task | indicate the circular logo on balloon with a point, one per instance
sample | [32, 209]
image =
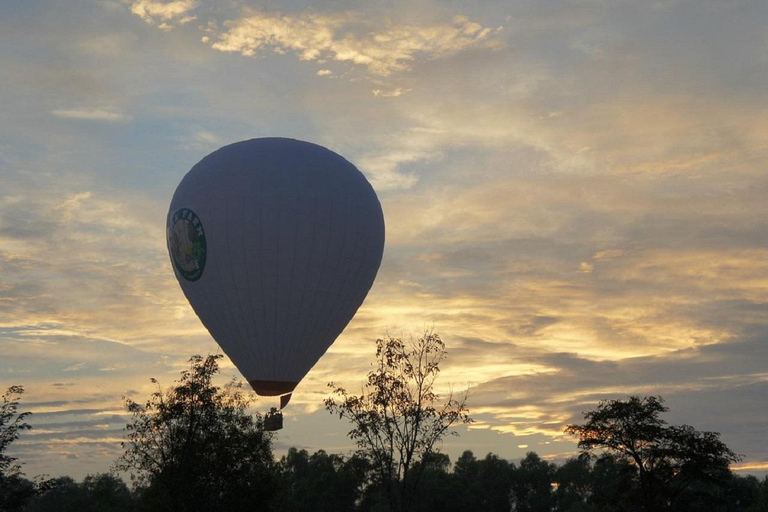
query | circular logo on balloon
[186, 240]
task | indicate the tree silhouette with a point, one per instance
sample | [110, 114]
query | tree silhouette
[668, 458]
[195, 447]
[96, 493]
[574, 488]
[321, 482]
[12, 424]
[14, 490]
[532, 484]
[399, 418]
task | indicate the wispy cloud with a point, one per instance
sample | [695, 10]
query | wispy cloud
[70, 205]
[391, 93]
[54, 252]
[164, 13]
[347, 38]
[75, 367]
[381, 47]
[91, 114]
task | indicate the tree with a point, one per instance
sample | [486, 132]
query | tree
[532, 484]
[14, 490]
[61, 494]
[466, 478]
[399, 418]
[761, 499]
[12, 424]
[96, 493]
[195, 447]
[668, 459]
[436, 491]
[107, 493]
[321, 482]
[495, 477]
[574, 485]
[15, 493]
[614, 487]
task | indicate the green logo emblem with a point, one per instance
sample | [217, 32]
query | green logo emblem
[186, 241]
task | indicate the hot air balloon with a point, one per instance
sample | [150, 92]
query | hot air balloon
[275, 243]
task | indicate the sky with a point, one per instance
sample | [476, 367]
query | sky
[574, 197]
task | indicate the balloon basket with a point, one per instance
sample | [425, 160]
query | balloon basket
[273, 420]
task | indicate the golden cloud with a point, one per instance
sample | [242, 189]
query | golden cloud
[166, 13]
[338, 37]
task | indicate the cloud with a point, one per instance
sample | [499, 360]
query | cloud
[92, 435]
[200, 140]
[72, 258]
[75, 367]
[691, 380]
[90, 114]
[355, 38]
[392, 93]
[751, 466]
[383, 170]
[348, 38]
[165, 14]
[68, 208]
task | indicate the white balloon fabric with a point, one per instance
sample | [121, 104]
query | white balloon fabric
[275, 242]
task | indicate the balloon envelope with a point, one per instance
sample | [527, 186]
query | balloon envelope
[275, 242]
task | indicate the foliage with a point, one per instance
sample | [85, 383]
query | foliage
[486, 483]
[613, 486]
[760, 497]
[668, 459]
[435, 483]
[195, 446]
[574, 489]
[14, 491]
[532, 485]
[321, 482]
[12, 424]
[96, 493]
[399, 418]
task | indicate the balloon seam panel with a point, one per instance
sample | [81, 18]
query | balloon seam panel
[294, 328]
[334, 305]
[255, 363]
[313, 320]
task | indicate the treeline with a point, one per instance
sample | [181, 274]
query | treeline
[197, 447]
[323, 482]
